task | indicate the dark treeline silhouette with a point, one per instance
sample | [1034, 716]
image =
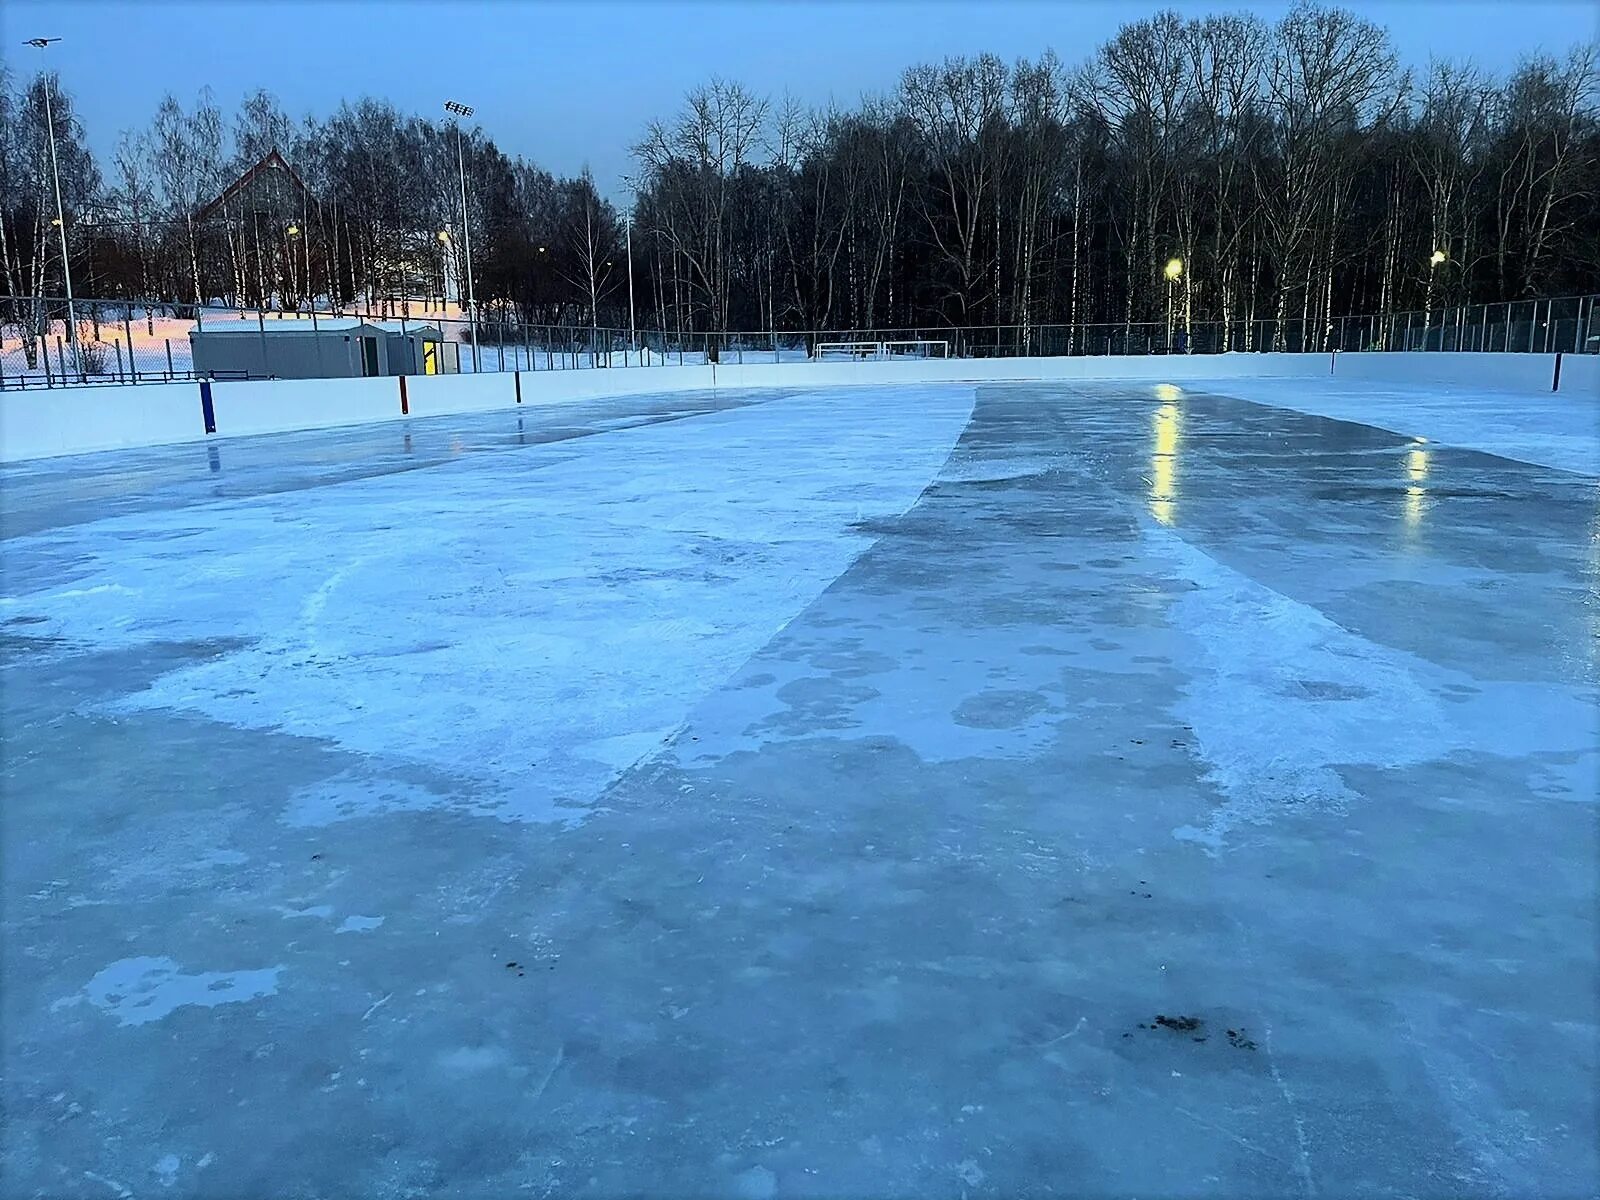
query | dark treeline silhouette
[1293, 168]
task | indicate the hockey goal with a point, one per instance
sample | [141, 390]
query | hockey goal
[877, 350]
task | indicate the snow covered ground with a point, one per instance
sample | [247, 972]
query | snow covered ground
[160, 349]
[935, 791]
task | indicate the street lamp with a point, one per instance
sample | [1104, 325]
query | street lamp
[633, 329]
[1437, 257]
[41, 43]
[458, 111]
[1173, 271]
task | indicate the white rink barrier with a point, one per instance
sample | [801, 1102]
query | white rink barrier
[42, 424]
[1484, 372]
[78, 420]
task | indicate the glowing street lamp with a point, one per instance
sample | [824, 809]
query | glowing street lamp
[1437, 257]
[1172, 271]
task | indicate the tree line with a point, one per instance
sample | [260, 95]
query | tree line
[1217, 168]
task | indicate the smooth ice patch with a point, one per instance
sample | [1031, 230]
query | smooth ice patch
[140, 990]
[358, 924]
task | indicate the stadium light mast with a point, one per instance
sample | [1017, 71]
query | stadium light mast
[41, 43]
[633, 328]
[458, 111]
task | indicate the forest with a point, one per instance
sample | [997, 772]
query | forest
[1216, 168]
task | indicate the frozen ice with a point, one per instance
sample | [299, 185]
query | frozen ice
[925, 791]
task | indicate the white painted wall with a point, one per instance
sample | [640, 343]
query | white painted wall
[37, 424]
[1480, 371]
[278, 405]
[1580, 375]
[978, 370]
[46, 422]
[438, 395]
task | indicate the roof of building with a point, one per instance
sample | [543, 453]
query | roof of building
[270, 161]
[321, 325]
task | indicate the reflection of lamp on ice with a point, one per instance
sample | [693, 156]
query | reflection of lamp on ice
[1163, 481]
[1416, 494]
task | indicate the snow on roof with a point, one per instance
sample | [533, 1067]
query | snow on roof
[321, 325]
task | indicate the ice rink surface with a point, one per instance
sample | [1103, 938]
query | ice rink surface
[930, 791]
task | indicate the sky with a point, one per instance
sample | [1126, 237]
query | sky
[568, 85]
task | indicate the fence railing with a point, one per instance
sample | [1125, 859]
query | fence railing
[123, 342]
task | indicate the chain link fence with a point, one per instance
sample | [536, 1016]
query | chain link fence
[123, 342]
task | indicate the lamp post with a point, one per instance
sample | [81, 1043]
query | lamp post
[41, 43]
[633, 328]
[458, 111]
[1173, 271]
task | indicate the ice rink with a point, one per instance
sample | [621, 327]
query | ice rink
[926, 791]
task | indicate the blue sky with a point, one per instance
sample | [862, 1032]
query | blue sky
[567, 84]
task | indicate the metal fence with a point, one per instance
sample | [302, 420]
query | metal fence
[123, 342]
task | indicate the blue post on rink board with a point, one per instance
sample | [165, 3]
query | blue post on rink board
[207, 412]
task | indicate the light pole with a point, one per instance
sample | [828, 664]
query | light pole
[458, 111]
[633, 328]
[1173, 270]
[41, 43]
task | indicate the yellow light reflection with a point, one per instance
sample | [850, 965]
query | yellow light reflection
[1168, 434]
[1168, 393]
[1416, 493]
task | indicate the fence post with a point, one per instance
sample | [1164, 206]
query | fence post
[127, 329]
[168, 341]
[61, 360]
[1533, 325]
[116, 345]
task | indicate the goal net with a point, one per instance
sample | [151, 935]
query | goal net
[877, 350]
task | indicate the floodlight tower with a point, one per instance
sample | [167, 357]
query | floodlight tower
[42, 43]
[458, 111]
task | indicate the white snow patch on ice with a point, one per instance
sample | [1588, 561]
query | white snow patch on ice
[358, 924]
[1281, 694]
[523, 633]
[139, 990]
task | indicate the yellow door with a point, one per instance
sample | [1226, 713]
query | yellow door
[430, 358]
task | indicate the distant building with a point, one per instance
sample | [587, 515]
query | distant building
[328, 348]
[268, 193]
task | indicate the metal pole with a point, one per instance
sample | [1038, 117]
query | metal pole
[61, 225]
[127, 330]
[466, 237]
[633, 329]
